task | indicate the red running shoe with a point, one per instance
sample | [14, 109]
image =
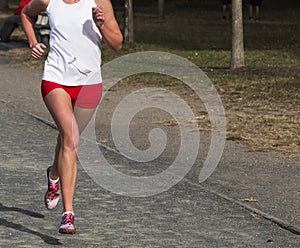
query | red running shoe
[67, 223]
[52, 194]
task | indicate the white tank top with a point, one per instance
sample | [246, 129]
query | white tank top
[75, 49]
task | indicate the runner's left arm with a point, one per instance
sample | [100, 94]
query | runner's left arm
[104, 18]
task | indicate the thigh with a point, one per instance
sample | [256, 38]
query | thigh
[60, 107]
[89, 96]
[83, 117]
[86, 103]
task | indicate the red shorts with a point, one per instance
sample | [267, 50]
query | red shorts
[87, 96]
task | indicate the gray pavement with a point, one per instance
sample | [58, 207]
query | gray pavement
[216, 213]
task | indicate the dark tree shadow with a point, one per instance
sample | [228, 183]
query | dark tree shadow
[3, 222]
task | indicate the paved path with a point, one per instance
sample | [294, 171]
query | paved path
[187, 215]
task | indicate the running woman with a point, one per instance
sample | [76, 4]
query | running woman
[71, 82]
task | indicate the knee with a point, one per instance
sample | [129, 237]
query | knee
[70, 142]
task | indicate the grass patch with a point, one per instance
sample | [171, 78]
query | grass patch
[262, 111]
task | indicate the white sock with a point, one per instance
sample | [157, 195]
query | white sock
[53, 180]
[67, 212]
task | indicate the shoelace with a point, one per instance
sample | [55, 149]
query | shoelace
[53, 190]
[68, 219]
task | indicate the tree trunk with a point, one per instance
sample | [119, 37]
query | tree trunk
[237, 44]
[4, 5]
[161, 8]
[128, 22]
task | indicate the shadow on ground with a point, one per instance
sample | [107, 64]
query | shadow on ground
[3, 222]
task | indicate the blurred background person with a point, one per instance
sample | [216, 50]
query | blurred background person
[226, 7]
[12, 22]
[254, 4]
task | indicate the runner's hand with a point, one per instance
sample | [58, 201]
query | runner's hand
[37, 50]
[98, 16]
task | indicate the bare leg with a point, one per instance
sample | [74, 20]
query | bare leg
[224, 11]
[83, 116]
[70, 124]
[59, 105]
[250, 11]
[54, 169]
[257, 11]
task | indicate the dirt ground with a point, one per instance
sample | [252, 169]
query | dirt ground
[262, 119]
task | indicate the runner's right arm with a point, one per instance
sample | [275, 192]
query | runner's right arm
[28, 16]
